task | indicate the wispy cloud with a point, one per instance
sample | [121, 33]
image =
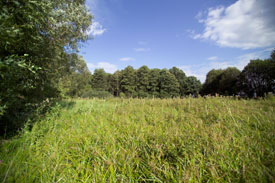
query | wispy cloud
[189, 71]
[142, 49]
[126, 59]
[108, 67]
[199, 16]
[96, 29]
[212, 58]
[246, 24]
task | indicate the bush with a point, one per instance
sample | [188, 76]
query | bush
[96, 94]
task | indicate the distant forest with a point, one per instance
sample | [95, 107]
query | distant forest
[255, 80]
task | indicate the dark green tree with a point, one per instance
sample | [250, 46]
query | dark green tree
[272, 56]
[228, 81]
[181, 77]
[109, 83]
[128, 81]
[100, 80]
[192, 86]
[211, 83]
[168, 85]
[142, 81]
[78, 78]
[36, 37]
[258, 78]
[154, 82]
[115, 83]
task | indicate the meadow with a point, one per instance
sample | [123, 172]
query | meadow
[146, 140]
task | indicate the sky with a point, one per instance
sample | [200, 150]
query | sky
[193, 35]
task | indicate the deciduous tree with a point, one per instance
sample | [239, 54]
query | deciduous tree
[128, 81]
[168, 85]
[181, 77]
[36, 37]
[142, 81]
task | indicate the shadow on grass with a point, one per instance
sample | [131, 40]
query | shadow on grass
[66, 104]
[12, 123]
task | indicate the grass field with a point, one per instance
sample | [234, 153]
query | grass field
[146, 140]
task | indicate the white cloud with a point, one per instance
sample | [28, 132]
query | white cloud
[142, 49]
[246, 24]
[199, 17]
[243, 60]
[108, 67]
[200, 70]
[189, 71]
[240, 62]
[126, 59]
[213, 58]
[191, 32]
[96, 29]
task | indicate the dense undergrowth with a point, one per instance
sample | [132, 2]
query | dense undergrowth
[146, 140]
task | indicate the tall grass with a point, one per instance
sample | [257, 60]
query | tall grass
[146, 140]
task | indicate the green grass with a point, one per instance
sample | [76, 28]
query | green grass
[146, 140]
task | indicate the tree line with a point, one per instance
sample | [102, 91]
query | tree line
[255, 80]
[143, 82]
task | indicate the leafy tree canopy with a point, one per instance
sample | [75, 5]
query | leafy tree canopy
[37, 37]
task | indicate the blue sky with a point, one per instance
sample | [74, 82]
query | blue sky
[194, 35]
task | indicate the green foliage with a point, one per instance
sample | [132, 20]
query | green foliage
[142, 81]
[77, 79]
[128, 81]
[146, 140]
[154, 82]
[114, 83]
[36, 37]
[212, 81]
[100, 80]
[258, 78]
[145, 82]
[272, 55]
[192, 86]
[18, 91]
[228, 80]
[169, 85]
[182, 79]
[223, 82]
